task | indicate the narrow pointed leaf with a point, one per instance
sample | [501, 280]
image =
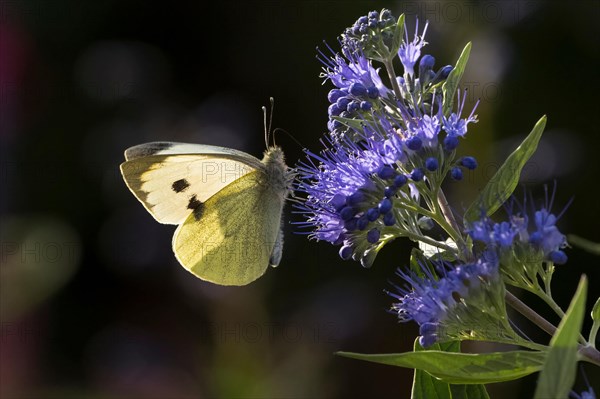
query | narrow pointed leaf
[398, 35]
[463, 368]
[596, 311]
[504, 182]
[596, 325]
[426, 386]
[560, 367]
[451, 83]
[586, 245]
[416, 259]
[469, 391]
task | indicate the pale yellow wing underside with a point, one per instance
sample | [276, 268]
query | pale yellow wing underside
[230, 239]
[165, 184]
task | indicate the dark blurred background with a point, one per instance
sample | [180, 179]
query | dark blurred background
[93, 303]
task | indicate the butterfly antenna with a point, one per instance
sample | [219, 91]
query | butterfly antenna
[270, 124]
[271, 116]
[278, 129]
[264, 109]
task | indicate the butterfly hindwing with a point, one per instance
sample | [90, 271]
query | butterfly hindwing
[232, 237]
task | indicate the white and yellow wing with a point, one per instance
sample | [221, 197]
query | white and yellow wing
[233, 237]
[171, 180]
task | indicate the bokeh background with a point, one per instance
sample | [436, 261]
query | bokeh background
[93, 303]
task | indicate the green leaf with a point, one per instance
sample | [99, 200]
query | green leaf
[469, 391]
[558, 375]
[418, 261]
[463, 368]
[596, 311]
[451, 83]
[596, 325]
[426, 386]
[586, 245]
[398, 36]
[504, 182]
[417, 257]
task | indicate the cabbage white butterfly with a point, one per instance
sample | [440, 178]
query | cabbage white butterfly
[227, 203]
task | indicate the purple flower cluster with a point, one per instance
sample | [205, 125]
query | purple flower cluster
[386, 154]
[385, 147]
[372, 34]
[350, 192]
[357, 85]
[432, 302]
[536, 232]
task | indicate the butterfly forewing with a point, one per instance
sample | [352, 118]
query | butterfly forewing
[170, 179]
[173, 148]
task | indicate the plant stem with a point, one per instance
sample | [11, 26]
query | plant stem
[550, 302]
[531, 314]
[411, 208]
[444, 225]
[587, 352]
[590, 354]
[393, 80]
[446, 211]
[449, 216]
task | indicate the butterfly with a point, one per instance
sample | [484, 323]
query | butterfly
[227, 203]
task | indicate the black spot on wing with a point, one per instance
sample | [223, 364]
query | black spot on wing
[145, 150]
[194, 202]
[180, 185]
[197, 206]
